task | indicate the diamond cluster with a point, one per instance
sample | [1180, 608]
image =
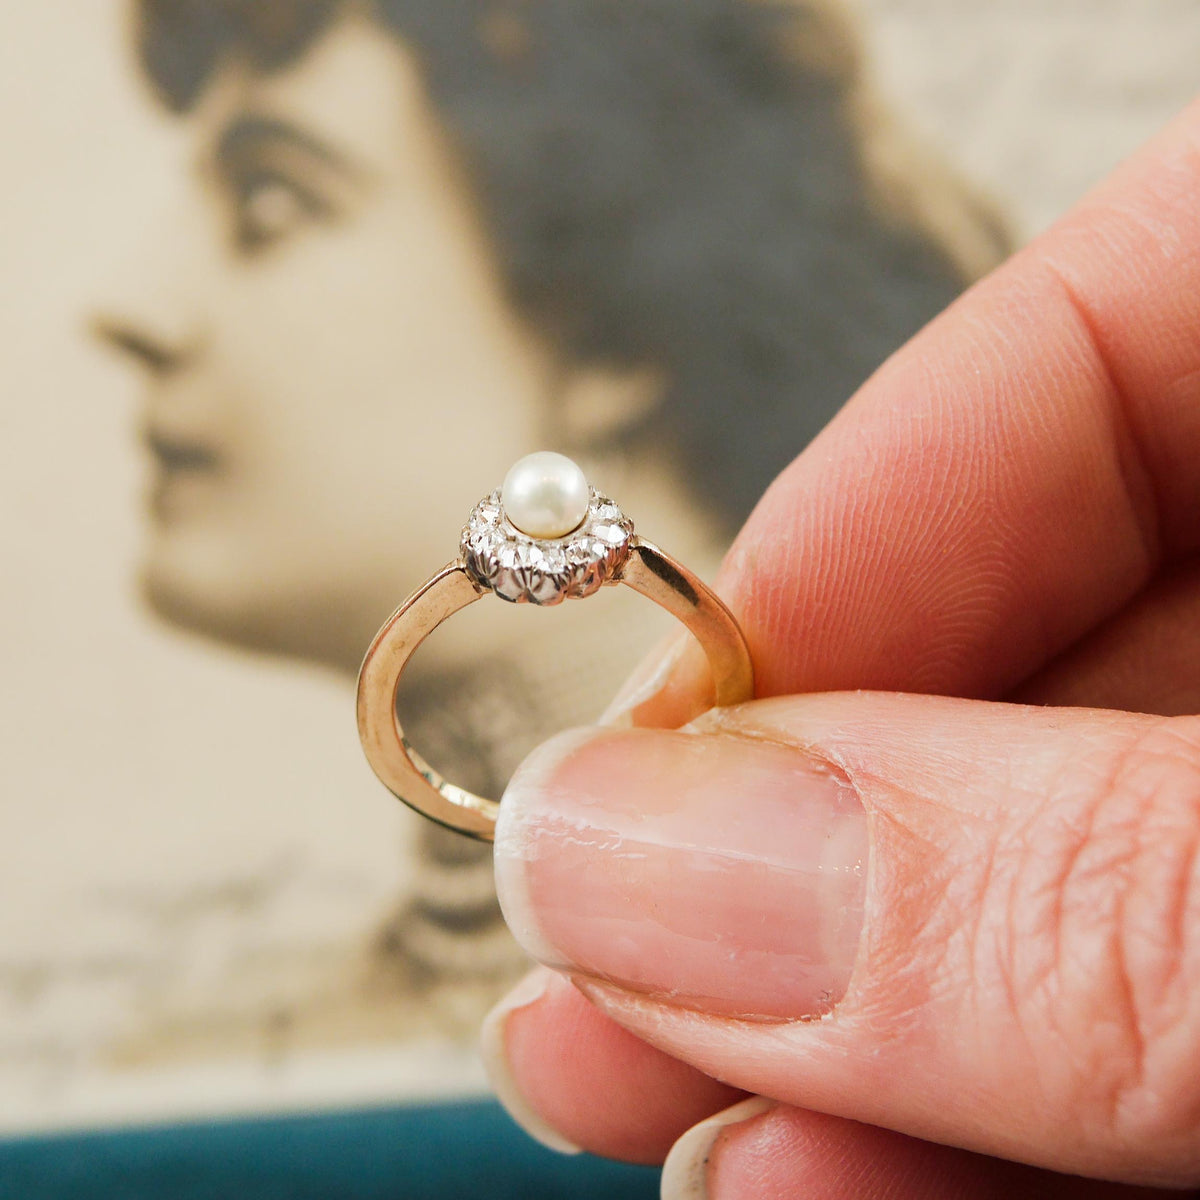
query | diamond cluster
[527, 570]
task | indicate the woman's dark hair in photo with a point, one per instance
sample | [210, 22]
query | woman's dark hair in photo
[701, 187]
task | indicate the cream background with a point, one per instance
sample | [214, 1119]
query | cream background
[172, 814]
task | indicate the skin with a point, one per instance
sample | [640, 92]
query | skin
[1006, 511]
[334, 374]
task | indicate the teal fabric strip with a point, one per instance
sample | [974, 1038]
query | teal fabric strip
[427, 1152]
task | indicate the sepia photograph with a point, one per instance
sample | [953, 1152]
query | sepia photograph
[290, 287]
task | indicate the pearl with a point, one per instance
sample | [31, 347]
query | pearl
[545, 495]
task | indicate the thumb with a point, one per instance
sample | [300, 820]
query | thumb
[995, 910]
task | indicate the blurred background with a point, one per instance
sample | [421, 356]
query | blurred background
[286, 288]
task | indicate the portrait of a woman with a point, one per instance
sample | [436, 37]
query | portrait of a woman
[417, 239]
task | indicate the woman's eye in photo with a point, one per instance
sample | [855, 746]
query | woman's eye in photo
[268, 208]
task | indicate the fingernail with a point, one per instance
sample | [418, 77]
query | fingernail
[494, 1051]
[717, 871]
[685, 1173]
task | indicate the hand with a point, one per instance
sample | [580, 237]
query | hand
[992, 908]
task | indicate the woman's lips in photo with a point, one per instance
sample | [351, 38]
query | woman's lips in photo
[177, 453]
[184, 470]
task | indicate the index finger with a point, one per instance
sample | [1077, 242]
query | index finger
[1010, 478]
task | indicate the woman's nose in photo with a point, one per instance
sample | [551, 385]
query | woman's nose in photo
[150, 307]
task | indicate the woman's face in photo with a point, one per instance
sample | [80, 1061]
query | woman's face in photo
[333, 374]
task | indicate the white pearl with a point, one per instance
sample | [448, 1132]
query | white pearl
[545, 495]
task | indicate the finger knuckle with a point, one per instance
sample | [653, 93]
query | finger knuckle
[1119, 879]
[1156, 939]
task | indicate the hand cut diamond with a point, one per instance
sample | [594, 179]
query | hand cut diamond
[545, 571]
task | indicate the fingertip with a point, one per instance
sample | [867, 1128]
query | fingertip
[573, 1079]
[648, 679]
[494, 1048]
[686, 1170]
[684, 691]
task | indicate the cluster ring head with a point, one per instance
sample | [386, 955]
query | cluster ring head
[529, 570]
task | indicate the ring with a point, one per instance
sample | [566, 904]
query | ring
[545, 536]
